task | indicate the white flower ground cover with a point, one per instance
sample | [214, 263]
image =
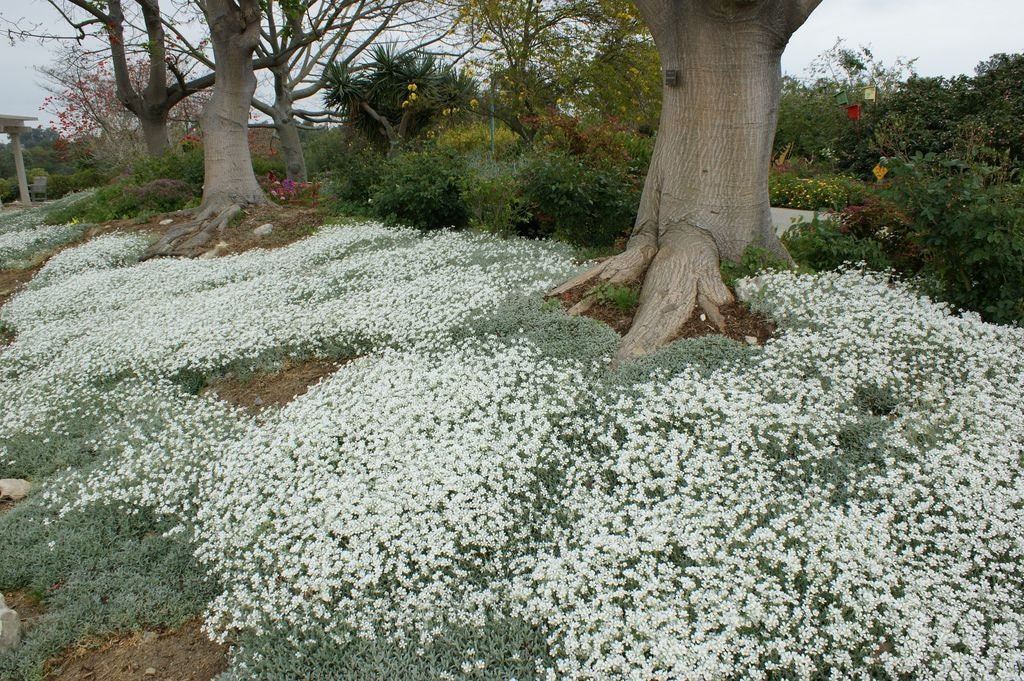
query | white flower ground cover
[23, 235]
[478, 496]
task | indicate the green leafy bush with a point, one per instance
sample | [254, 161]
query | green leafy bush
[348, 183]
[184, 165]
[883, 221]
[87, 178]
[494, 199]
[474, 140]
[263, 166]
[969, 229]
[8, 189]
[753, 260]
[422, 189]
[620, 296]
[606, 144]
[160, 196]
[583, 204]
[124, 200]
[824, 245]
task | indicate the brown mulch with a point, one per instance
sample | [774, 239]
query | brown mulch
[740, 321]
[182, 654]
[277, 389]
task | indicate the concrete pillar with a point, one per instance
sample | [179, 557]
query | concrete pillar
[19, 164]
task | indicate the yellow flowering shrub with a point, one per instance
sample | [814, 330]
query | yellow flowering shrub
[788, 191]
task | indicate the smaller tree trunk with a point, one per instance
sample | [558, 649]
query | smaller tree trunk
[282, 114]
[154, 132]
[291, 149]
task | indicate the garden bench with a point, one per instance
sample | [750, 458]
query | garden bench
[38, 188]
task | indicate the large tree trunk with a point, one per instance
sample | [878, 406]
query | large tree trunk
[706, 194]
[230, 183]
[230, 179]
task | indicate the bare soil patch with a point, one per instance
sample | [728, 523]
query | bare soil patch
[291, 224]
[740, 321]
[11, 281]
[182, 654]
[27, 606]
[262, 390]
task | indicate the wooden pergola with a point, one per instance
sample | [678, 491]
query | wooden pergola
[14, 126]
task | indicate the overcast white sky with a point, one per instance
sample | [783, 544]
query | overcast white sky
[947, 37]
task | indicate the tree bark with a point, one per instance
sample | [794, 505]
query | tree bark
[230, 179]
[291, 149]
[154, 131]
[230, 183]
[706, 193]
[153, 104]
[286, 127]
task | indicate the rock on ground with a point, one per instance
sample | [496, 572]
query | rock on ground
[15, 489]
[10, 627]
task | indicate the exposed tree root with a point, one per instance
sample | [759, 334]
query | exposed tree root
[191, 238]
[684, 274]
[680, 273]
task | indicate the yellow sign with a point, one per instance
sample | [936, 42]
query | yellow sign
[880, 171]
[870, 93]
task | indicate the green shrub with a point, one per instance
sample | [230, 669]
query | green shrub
[422, 189]
[106, 204]
[348, 184]
[753, 260]
[87, 178]
[474, 140]
[883, 221]
[160, 196]
[123, 200]
[969, 229]
[264, 166]
[8, 189]
[619, 296]
[494, 199]
[582, 204]
[606, 144]
[583, 183]
[823, 245]
[184, 165]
